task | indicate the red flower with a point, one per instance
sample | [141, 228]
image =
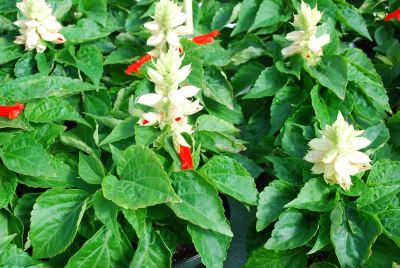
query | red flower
[11, 112]
[394, 15]
[205, 38]
[134, 68]
[186, 157]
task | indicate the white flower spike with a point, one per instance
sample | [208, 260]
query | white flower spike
[171, 105]
[336, 154]
[37, 26]
[166, 27]
[304, 40]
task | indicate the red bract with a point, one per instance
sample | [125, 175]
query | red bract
[134, 68]
[205, 38]
[394, 15]
[186, 157]
[11, 112]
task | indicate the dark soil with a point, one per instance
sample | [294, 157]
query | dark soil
[184, 252]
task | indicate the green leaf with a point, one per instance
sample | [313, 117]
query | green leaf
[326, 105]
[246, 76]
[8, 185]
[289, 169]
[377, 198]
[384, 173]
[122, 131]
[212, 246]
[52, 109]
[378, 135]
[285, 102]
[331, 72]
[25, 156]
[375, 90]
[38, 86]
[106, 211]
[268, 14]
[247, 14]
[10, 224]
[323, 238]
[90, 168]
[222, 16]
[272, 201]
[122, 55]
[211, 123]
[390, 220]
[137, 218]
[393, 125]
[86, 30]
[55, 219]
[94, 9]
[352, 234]
[60, 7]
[200, 202]
[103, 249]
[152, 251]
[25, 65]
[143, 181]
[267, 84]
[384, 254]
[231, 178]
[12, 256]
[216, 86]
[23, 208]
[263, 258]
[352, 18]
[316, 195]
[293, 229]
[10, 53]
[218, 142]
[90, 60]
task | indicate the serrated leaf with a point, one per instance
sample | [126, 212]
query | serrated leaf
[24, 155]
[52, 109]
[8, 185]
[263, 258]
[331, 72]
[38, 86]
[294, 228]
[216, 87]
[267, 84]
[123, 130]
[272, 201]
[200, 202]
[231, 178]
[103, 249]
[94, 9]
[390, 220]
[89, 60]
[352, 234]
[316, 195]
[56, 216]
[247, 14]
[143, 181]
[212, 246]
[90, 169]
[351, 17]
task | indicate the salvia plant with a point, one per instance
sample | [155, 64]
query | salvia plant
[131, 132]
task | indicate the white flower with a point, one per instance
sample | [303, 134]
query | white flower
[304, 41]
[171, 105]
[37, 26]
[166, 27]
[336, 154]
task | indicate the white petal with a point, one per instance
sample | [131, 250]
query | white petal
[330, 156]
[151, 118]
[152, 26]
[155, 76]
[320, 144]
[356, 157]
[314, 156]
[173, 39]
[359, 143]
[188, 91]
[179, 19]
[183, 73]
[155, 40]
[290, 50]
[152, 99]
[318, 168]
[295, 36]
[324, 39]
